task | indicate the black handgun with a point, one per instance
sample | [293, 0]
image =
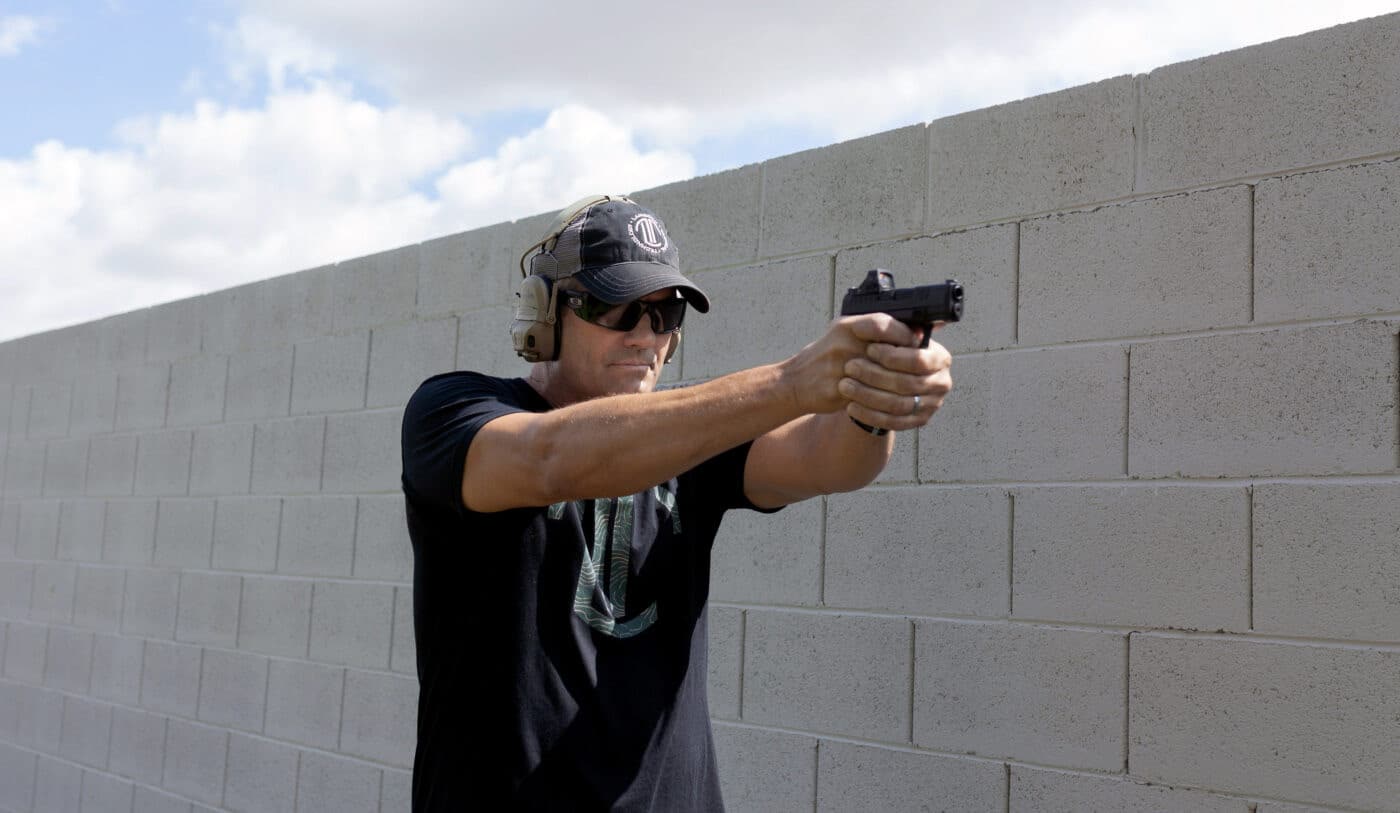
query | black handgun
[921, 305]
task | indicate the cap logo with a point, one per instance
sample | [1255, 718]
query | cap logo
[646, 231]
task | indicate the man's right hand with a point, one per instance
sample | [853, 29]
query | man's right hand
[816, 371]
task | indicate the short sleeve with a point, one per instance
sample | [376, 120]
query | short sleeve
[439, 423]
[721, 479]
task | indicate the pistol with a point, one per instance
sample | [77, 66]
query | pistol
[921, 305]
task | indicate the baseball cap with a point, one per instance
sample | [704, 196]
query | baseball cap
[616, 248]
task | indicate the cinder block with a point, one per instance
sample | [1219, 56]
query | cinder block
[24, 468]
[726, 654]
[87, 726]
[1035, 789]
[259, 384]
[858, 191]
[17, 770]
[375, 290]
[758, 315]
[304, 702]
[68, 660]
[274, 616]
[51, 404]
[141, 396]
[270, 313]
[396, 792]
[65, 467]
[80, 530]
[138, 745]
[287, 456]
[149, 800]
[362, 452]
[16, 588]
[170, 678]
[150, 604]
[111, 465]
[995, 424]
[381, 717]
[121, 339]
[38, 529]
[174, 330]
[9, 536]
[1300, 722]
[184, 532]
[317, 536]
[351, 624]
[195, 757]
[245, 533]
[24, 652]
[983, 260]
[769, 558]
[106, 794]
[58, 787]
[403, 656]
[401, 356]
[209, 609]
[40, 719]
[1324, 560]
[222, 459]
[1071, 148]
[1217, 406]
[1049, 696]
[382, 547]
[197, 390]
[327, 784]
[466, 271]
[262, 776]
[330, 373]
[53, 593]
[116, 668]
[98, 603]
[17, 418]
[233, 689]
[766, 770]
[860, 777]
[919, 550]
[1166, 265]
[830, 673]
[484, 345]
[94, 404]
[163, 463]
[1326, 243]
[1155, 557]
[129, 531]
[1322, 97]
[713, 219]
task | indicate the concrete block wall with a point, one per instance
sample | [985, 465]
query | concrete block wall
[1144, 559]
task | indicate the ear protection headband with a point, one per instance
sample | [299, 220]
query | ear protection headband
[535, 331]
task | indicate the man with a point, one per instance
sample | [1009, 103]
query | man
[562, 523]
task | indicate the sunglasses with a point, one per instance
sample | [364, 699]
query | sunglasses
[665, 316]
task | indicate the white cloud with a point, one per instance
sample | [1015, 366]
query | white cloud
[17, 31]
[681, 72]
[202, 200]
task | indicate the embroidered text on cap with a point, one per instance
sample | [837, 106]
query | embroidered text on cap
[646, 231]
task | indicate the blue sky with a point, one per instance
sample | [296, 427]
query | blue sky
[153, 151]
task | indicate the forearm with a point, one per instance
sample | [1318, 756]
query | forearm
[623, 444]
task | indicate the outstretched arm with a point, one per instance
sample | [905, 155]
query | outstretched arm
[827, 453]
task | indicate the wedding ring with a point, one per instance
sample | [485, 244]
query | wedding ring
[916, 405]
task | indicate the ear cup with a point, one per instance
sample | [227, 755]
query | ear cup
[673, 347]
[535, 331]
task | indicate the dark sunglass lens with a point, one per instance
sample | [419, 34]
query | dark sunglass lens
[669, 314]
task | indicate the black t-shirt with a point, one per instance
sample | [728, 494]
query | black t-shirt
[562, 649]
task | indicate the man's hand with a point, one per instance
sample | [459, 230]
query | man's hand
[898, 387]
[873, 367]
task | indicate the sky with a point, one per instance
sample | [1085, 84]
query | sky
[152, 151]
